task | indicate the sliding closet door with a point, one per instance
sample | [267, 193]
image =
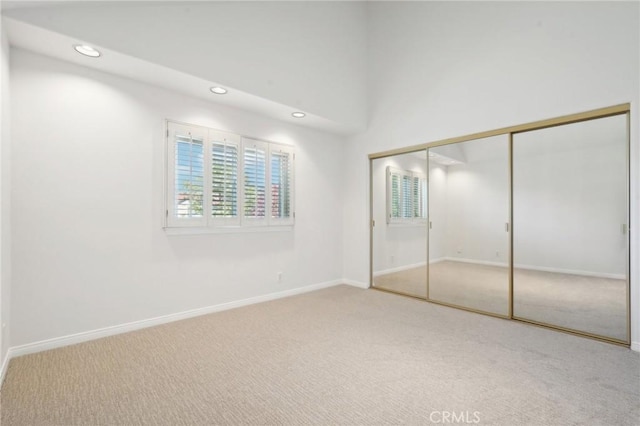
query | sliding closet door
[469, 230]
[399, 233]
[570, 227]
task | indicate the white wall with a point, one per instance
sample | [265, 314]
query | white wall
[87, 168]
[477, 202]
[437, 211]
[441, 70]
[5, 203]
[570, 196]
[309, 55]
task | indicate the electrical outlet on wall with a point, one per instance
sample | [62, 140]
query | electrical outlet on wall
[497, 254]
[393, 258]
[279, 277]
[459, 250]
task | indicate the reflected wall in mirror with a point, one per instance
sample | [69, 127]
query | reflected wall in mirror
[570, 221]
[399, 210]
[468, 214]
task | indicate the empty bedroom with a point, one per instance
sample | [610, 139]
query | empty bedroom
[319, 212]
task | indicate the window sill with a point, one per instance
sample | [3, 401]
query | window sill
[227, 230]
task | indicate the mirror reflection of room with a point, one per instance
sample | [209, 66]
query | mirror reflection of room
[469, 214]
[570, 226]
[399, 196]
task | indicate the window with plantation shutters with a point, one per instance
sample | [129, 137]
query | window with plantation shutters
[406, 196]
[218, 179]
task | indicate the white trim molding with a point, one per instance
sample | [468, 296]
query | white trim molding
[5, 366]
[354, 283]
[540, 268]
[399, 269]
[635, 346]
[86, 336]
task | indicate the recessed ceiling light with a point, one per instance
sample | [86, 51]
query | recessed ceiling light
[218, 90]
[298, 114]
[86, 50]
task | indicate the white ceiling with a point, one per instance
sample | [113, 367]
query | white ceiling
[274, 57]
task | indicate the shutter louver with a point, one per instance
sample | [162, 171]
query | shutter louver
[406, 196]
[395, 196]
[224, 180]
[417, 197]
[255, 176]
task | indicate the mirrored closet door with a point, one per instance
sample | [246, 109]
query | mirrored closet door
[469, 224]
[529, 222]
[570, 227]
[399, 223]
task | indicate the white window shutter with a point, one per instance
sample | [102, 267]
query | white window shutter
[225, 178]
[407, 201]
[254, 182]
[394, 195]
[419, 197]
[186, 175]
[281, 184]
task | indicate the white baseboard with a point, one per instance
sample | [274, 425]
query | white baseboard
[86, 336]
[540, 268]
[572, 272]
[4, 366]
[354, 283]
[477, 262]
[398, 269]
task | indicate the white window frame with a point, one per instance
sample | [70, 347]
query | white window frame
[208, 223]
[402, 219]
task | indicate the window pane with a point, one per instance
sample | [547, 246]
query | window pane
[280, 185]
[189, 177]
[224, 179]
[255, 174]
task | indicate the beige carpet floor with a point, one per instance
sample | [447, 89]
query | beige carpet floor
[588, 304]
[336, 356]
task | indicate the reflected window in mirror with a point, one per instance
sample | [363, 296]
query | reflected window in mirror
[406, 196]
